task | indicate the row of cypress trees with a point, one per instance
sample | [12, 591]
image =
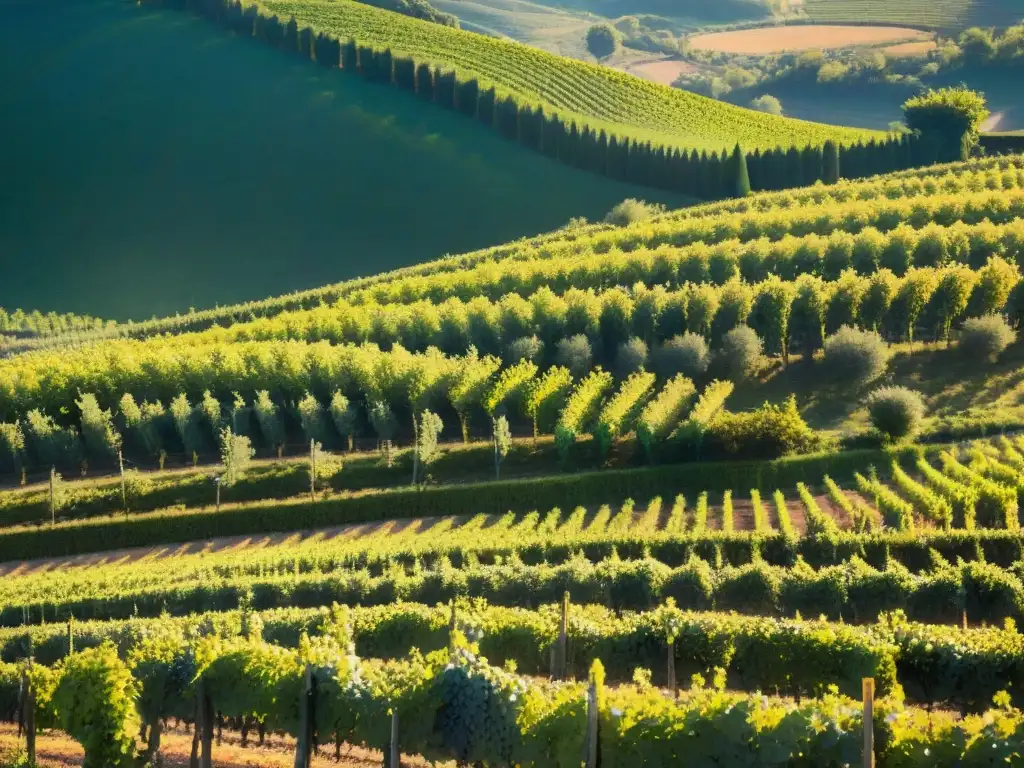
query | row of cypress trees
[705, 175]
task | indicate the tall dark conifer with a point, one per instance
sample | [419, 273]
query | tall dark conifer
[738, 173]
[485, 107]
[830, 172]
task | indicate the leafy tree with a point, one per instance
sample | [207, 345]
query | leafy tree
[896, 412]
[767, 103]
[143, 423]
[311, 416]
[603, 40]
[385, 424]
[769, 315]
[101, 440]
[235, 453]
[949, 300]
[878, 297]
[854, 357]
[510, 388]
[270, 420]
[687, 354]
[575, 355]
[240, 415]
[212, 413]
[51, 444]
[428, 431]
[185, 424]
[502, 436]
[985, 338]
[525, 348]
[545, 397]
[344, 416]
[470, 386]
[948, 119]
[741, 353]
[992, 290]
[12, 447]
[630, 358]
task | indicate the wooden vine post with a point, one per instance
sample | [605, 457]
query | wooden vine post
[393, 759]
[28, 714]
[671, 671]
[560, 670]
[868, 694]
[592, 725]
[206, 717]
[452, 626]
[307, 721]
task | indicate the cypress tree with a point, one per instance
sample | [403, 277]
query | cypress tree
[349, 56]
[602, 154]
[307, 47]
[738, 172]
[273, 32]
[405, 73]
[444, 89]
[794, 168]
[366, 62]
[613, 160]
[552, 136]
[830, 172]
[291, 36]
[467, 97]
[485, 107]
[425, 82]
[384, 69]
[250, 18]
[573, 145]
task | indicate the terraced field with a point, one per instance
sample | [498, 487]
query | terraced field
[504, 558]
[950, 15]
[600, 97]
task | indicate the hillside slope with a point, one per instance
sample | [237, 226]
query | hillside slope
[202, 169]
[601, 97]
[940, 14]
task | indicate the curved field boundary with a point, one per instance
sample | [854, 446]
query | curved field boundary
[766, 40]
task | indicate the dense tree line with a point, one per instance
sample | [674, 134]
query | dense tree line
[697, 174]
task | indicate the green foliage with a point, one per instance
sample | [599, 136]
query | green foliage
[511, 387]
[546, 396]
[953, 116]
[896, 513]
[854, 357]
[997, 504]
[603, 40]
[630, 357]
[343, 416]
[101, 440]
[50, 444]
[741, 353]
[983, 339]
[663, 413]
[312, 418]
[502, 437]
[95, 704]
[929, 504]
[631, 210]
[896, 412]
[782, 510]
[235, 454]
[684, 355]
[12, 446]
[429, 430]
[767, 103]
[581, 409]
[618, 415]
[769, 432]
[185, 420]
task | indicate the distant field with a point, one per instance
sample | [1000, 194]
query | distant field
[940, 14]
[910, 50]
[766, 40]
[181, 167]
[601, 96]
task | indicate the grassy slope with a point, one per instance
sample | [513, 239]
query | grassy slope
[607, 99]
[152, 162]
[944, 14]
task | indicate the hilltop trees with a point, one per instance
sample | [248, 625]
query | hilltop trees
[603, 40]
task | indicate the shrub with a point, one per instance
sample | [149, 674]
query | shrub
[985, 338]
[686, 354]
[575, 354]
[631, 210]
[896, 412]
[603, 40]
[767, 433]
[525, 348]
[767, 103]
[854, 356]
[630, 358]
[741, 353]
[95, 704]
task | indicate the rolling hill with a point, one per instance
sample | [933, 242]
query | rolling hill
[183, 167]
[597, 96]
[950, 15]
